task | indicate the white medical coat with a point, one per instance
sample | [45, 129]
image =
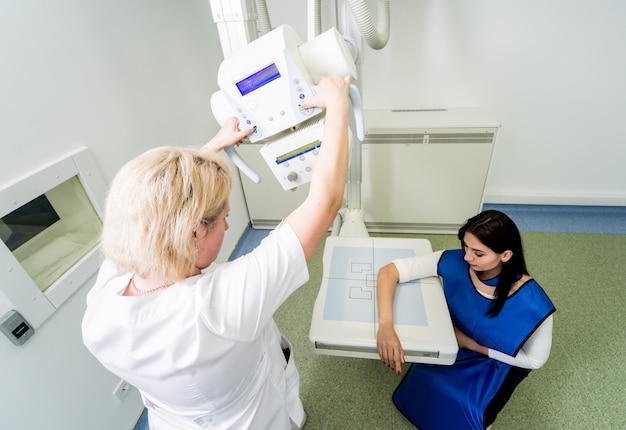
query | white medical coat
[205, 352]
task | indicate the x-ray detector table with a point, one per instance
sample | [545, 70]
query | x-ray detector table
[345, 316]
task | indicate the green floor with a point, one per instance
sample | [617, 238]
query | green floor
[581, 387]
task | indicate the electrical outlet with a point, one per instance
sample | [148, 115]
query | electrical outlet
[122, 389]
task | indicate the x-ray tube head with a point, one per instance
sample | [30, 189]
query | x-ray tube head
[264, 85]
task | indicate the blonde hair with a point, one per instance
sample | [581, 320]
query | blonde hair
[154, 205]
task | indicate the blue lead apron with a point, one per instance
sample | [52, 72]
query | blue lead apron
[458, 396]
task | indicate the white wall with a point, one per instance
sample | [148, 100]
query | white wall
[52, 382]
[118, 76]
[551, 72]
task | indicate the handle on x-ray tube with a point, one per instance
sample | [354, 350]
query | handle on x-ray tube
[242, 165]
[357, 108]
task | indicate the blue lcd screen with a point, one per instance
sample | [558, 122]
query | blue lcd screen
[299, 151]
[258, 79]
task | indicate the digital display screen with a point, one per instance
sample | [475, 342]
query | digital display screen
[299, 151]
[258, 79]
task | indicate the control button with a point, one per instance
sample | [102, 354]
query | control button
[302, 158]
[286, 164]
[308, 169]
[270, 118]
[292, 176]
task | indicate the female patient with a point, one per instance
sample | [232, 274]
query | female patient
[502, 320]
[196, 338]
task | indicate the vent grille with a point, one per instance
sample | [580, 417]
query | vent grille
[421, 110]
[430, 138]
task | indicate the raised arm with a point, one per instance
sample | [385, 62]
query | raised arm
[389, 346]
[314, 216]
[311, 220]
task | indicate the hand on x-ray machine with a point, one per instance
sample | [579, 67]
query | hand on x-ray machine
[228, 135]
[323, 96]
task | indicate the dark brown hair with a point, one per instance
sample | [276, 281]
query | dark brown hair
[499, 233]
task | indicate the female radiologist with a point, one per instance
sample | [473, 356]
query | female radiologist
[195, 337]
[502, 320]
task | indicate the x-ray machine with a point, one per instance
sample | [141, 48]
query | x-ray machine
[264, 76]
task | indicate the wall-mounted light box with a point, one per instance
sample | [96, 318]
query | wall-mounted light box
[50, 224]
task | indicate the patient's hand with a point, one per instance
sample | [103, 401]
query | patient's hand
[464, 341]
[389, 347]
